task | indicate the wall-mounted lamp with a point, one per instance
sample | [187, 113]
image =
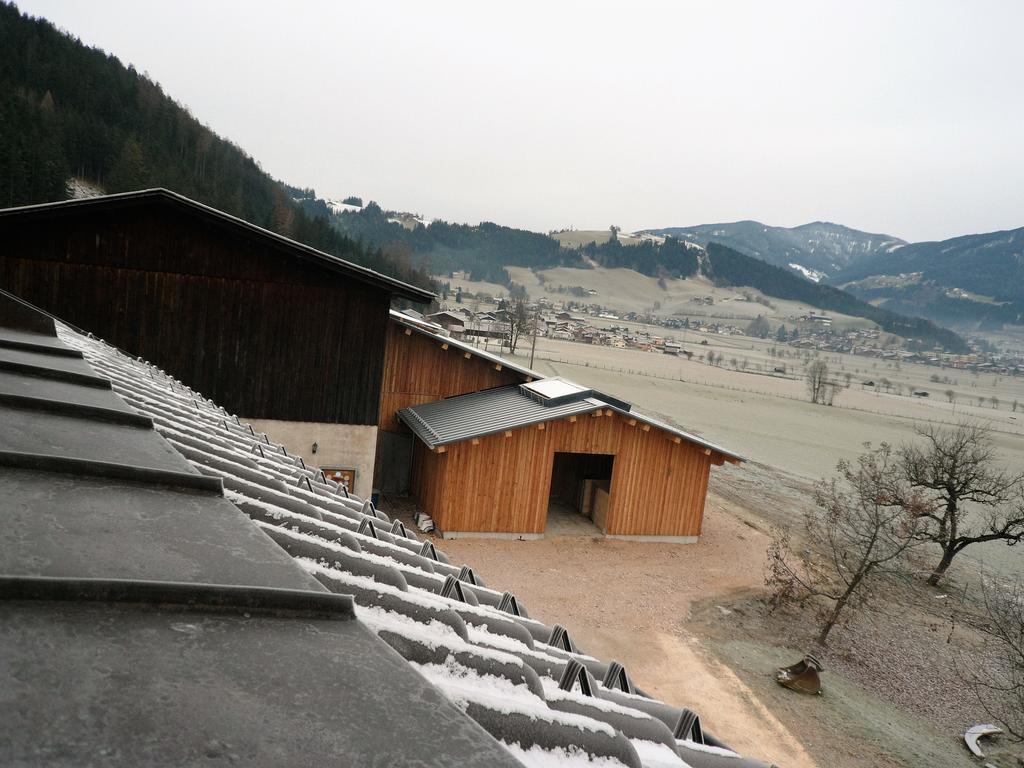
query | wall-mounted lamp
[316, 447]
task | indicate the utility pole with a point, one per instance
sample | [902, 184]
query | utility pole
[533, 345]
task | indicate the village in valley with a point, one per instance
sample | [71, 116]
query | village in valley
[488, 319]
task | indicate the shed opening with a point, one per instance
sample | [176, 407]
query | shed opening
[581, 485]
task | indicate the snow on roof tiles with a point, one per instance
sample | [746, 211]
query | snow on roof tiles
[496, 667]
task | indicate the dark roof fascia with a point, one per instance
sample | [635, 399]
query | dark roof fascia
[420, 326]
[267, 601]
[22, 316]
[161, 195]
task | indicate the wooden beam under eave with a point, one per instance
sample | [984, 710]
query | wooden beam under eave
[497, 367]
[408, 331]
[572, 419]
[632, 422]
[732, 460]
[475, 441]
[445, 345]
[646, 427]
[677, 439]
[466, 355]
[541, 426]
[508, 433]
[442, 448]
[707, 451]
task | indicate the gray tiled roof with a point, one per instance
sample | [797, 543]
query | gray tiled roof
[251, 653]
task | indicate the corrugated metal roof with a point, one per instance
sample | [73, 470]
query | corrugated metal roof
[434, 427]
[479, 414]
[485, 413]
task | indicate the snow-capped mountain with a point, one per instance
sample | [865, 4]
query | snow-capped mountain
[816, 251]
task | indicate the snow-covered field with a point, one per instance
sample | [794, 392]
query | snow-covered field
[768, 418]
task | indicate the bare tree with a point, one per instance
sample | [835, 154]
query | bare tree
[519, 322]
[999, 686]
[951, 395]
[968, 499]
[817, 380]
[859, 531]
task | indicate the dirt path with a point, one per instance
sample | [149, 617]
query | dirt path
[630, 602]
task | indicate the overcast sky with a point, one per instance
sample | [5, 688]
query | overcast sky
[898, 117]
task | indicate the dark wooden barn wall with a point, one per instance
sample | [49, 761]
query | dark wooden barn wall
[261, 331]
[658, 486]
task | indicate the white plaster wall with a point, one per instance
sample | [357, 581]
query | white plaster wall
[338, 445]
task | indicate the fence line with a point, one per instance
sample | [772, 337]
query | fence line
[746, 390]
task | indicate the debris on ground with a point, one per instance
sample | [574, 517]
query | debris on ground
[976, 732]
[802, 676]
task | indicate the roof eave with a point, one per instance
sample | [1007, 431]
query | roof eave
[335, 263]
[728, 455]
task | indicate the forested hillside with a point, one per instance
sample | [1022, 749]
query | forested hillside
[968, 280]
[729, 267]
[70, 110]
[485, 249]
[818, 249]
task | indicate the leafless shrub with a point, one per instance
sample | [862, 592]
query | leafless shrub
[999, 685]
[859, 531]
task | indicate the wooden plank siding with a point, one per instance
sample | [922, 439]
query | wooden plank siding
[418, 370]
[261, 330]
[658, 487]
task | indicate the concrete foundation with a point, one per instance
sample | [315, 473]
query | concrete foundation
[657, 539]
[491, 535]
[348, 446]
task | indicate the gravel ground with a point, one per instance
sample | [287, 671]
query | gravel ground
[630, 601]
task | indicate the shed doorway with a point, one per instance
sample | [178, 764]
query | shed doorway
[580, 490]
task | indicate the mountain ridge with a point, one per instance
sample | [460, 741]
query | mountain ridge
[820, 247]
[973, 281]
